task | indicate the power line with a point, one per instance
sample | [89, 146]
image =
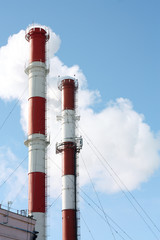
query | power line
[116, 175]
[100, 214]
[99, 209]
[116, 231]
[13, 172]
[113, 174]
[19, 191]
[87, 227]
[53, 203]
[106, 218]
[16, 103]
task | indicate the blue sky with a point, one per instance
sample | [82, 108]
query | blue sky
[115, 43]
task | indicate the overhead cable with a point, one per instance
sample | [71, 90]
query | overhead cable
[113, 174]
[99, 209]
[16, 103]
[13, 172]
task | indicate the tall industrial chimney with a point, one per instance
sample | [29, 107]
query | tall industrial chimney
[70, 147]
[36, 142]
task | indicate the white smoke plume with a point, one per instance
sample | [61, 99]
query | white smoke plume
[126, 144]
[118, 132]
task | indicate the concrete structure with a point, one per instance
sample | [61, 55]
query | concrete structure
[15, 226]
[36, 142]
[70, 147]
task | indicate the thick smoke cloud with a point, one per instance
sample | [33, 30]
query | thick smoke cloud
[118, 132]
[124, 142]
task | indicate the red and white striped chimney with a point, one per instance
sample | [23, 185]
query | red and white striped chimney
[69, 147]
[37, 71]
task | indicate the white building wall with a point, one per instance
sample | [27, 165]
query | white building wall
[15, 226]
